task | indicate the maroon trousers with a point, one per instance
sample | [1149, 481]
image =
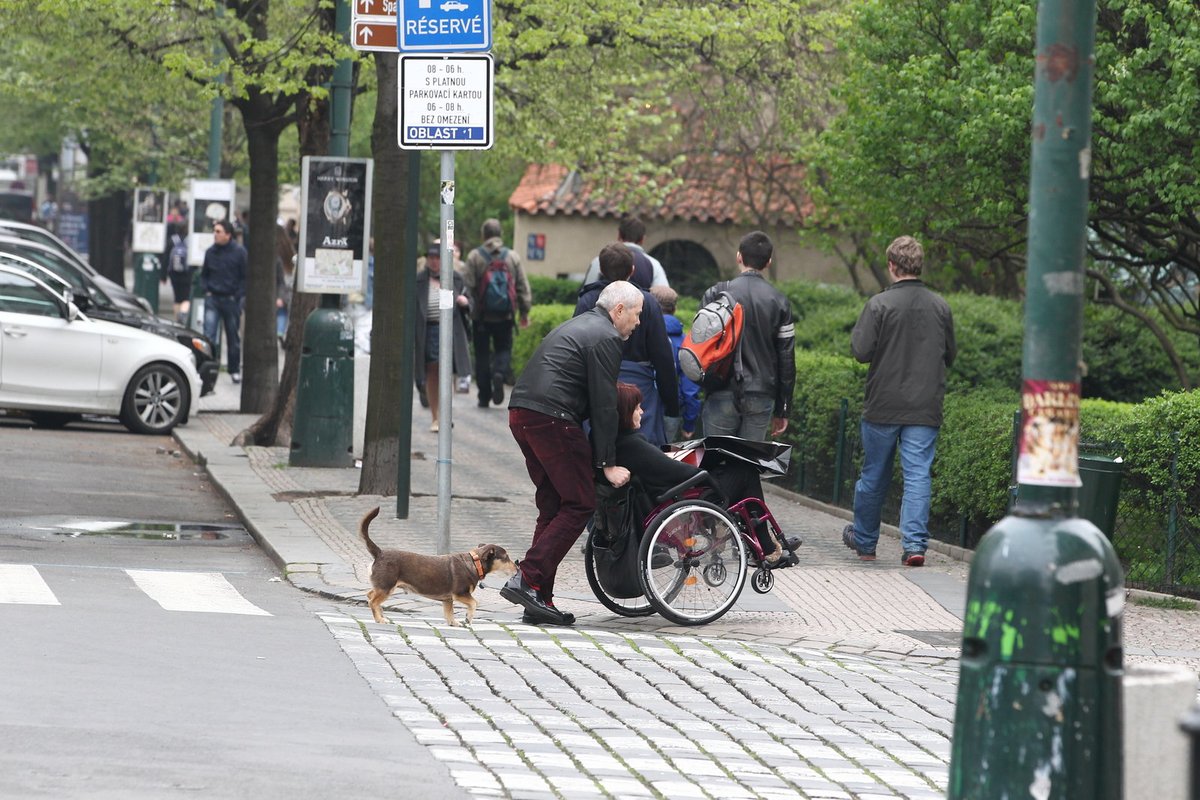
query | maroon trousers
[559, 459]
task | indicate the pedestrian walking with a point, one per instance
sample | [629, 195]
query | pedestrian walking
[646, 358]
[428, 327]
[572, 376]
[756, 406]
[648, 271]
[223, 278]
[500, 297]
[689, 390]
[177, 270]
[906, 334]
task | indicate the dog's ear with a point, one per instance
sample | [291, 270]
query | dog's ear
[487, 552]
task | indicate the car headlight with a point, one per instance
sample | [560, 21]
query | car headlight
[197, 343]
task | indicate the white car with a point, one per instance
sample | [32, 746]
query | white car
[454, 5]
[56, 363]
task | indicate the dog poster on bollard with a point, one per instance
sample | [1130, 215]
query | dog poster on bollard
[335, 225]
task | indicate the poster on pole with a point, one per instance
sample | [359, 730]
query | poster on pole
[335, 230]
[211, 202]
[1048, 449]
[149, 220]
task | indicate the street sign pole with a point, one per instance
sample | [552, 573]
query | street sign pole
[446, 322]
[445, 104]
[1039, 693]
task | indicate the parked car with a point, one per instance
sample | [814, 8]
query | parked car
[31, 239]
[95, 302]
[57, 364]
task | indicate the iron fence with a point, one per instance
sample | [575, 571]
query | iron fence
[1156, 534]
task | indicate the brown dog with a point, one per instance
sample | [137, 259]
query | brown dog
[445, 578]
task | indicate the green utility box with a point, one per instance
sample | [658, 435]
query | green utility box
[1101, 477]
[323, 431]
[146, 272]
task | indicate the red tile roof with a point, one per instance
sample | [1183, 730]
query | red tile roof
[719, 190]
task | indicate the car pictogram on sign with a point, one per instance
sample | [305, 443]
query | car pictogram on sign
[454, 5]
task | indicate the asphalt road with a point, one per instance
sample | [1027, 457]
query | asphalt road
[151, 650]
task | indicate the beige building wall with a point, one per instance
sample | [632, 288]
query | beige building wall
[571, 242]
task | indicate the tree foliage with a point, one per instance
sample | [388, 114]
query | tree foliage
[934, 141]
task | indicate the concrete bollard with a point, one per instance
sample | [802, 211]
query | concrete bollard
[1191, 726]
[1157, 752]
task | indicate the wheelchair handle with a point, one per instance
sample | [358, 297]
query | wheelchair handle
[700, 477]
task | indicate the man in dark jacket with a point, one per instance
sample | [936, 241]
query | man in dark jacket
[758, 405]
[223, 278]
[906, 334]
[493, 328]
[572, 376]
[647, 360]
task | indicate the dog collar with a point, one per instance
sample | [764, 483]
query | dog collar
[478, 563]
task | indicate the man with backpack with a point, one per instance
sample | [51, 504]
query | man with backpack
[495, 280]
[755, 401]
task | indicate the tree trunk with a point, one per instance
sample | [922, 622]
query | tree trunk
[108, 221]
[260, 353]
[274, 428]
[388, 431]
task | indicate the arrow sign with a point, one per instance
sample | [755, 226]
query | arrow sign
[374, 35]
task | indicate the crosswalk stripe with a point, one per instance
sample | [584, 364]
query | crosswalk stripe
[22, 583]
[207, 592]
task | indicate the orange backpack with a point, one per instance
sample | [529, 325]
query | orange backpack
[711, 354]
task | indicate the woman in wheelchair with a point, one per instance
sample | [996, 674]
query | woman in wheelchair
[657, 472]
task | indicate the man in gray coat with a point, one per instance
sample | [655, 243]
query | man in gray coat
[906, 334]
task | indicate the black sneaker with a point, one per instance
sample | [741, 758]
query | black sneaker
[848, 540]
[498, 389]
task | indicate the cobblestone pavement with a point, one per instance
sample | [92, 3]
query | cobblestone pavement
[839, 683]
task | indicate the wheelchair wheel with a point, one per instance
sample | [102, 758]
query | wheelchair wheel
[693, 562]
[762, 580]
[625, 606]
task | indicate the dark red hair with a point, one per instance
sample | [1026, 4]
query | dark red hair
[629, 397]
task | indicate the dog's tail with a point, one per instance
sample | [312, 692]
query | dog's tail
[365, 523]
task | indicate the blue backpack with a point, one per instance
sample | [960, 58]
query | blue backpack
[177, 262]
[497, 289]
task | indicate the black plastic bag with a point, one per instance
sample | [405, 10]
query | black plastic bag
[616, 537]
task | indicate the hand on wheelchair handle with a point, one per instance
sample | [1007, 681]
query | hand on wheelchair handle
[617, 476]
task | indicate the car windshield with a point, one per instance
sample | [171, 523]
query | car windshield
[21, 295]
[41, 237]
[60, 268]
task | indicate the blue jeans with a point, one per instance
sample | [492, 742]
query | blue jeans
[721, 417]
[916, 444]
[225, 312]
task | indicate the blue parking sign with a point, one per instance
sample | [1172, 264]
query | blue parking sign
[444, 26]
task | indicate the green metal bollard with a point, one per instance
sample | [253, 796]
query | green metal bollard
[1039, 696]
[146, 271]
[323, 435]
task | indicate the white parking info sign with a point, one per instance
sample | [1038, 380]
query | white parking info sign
[446, 102]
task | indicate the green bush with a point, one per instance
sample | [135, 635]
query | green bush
[1124, 360]
[988, 333]
[552, 291]
[973, 467]
[542, 320]
[824, 315]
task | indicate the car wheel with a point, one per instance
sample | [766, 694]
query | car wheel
[52, 419]
[156, 400]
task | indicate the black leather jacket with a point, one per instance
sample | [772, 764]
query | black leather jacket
[573, 376]
[768, 337]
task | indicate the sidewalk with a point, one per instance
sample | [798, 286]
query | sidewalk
[839, 683]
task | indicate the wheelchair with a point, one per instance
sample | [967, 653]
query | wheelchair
[685, 554]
